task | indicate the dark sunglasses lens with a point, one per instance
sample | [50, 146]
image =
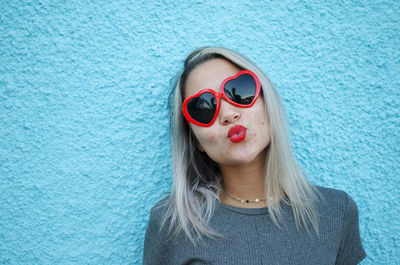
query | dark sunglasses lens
[202, 108]
[241, 90]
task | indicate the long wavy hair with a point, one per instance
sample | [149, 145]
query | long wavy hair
[197, 182]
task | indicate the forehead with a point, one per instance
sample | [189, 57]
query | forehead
[209, 74]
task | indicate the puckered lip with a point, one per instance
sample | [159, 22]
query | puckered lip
[237, 133]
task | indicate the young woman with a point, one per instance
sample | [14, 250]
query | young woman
[238, 195]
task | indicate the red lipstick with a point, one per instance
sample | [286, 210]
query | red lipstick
[237, 133]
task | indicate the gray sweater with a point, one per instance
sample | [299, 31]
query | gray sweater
[252, 237]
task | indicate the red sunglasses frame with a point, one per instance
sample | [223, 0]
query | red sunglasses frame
[220, 95]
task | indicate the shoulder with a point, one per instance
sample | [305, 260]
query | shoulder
[158, 208]
[336, 197]
[337, 202]
[158, 211]
[341, 212]
[331, 192]
[155, 244]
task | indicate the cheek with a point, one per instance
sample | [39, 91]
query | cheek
[207, 138]
[205, 135]
[265, 126]
[263, 131]
[211, 138]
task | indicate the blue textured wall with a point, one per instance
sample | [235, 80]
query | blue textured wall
[84, 149]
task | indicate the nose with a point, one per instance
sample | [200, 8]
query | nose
[228, 113]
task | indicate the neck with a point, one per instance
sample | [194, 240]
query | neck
[245, 181]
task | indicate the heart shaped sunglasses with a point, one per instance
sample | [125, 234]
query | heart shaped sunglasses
[241, 90]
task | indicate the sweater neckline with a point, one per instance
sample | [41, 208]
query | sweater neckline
[245, 211]
[248, 211]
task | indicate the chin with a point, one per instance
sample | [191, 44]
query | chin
[245, 160]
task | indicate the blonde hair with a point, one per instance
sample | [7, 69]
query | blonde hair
[197, 180]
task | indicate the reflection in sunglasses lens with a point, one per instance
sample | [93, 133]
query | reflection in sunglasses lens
[202, 108]
[241, 90]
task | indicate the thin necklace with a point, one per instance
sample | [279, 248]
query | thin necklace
[243, 200]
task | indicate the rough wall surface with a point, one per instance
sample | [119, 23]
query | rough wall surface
[84, 141]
